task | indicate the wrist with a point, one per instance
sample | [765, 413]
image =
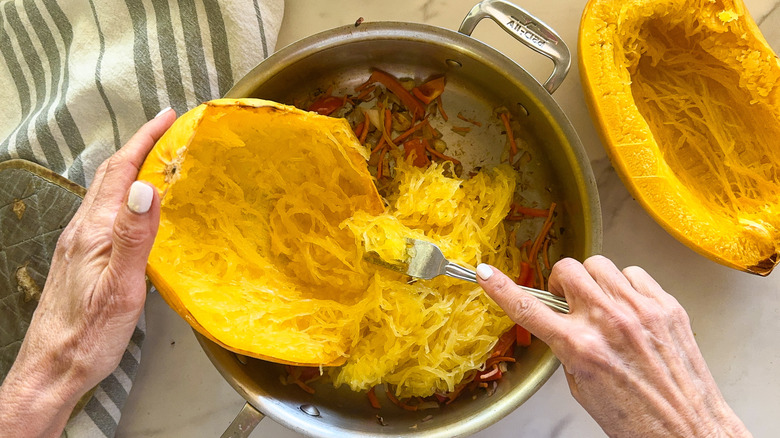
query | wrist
[718, 421]
[731, 426]
[37, 397]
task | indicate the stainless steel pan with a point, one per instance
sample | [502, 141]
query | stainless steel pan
[479, 79]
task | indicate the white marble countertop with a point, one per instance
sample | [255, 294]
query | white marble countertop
[736, 316]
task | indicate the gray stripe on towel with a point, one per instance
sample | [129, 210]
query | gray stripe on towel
[128, 364]
[195, 55]
[99, 84]
[138, 336]
[114, 390]
[23, 91]
[262, 29]
[219, 46]
[144, 72]
[70, 130]
[100, 416]
[169, 57]
[43, 134]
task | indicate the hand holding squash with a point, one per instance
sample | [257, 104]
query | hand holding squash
[627, 349]
[93, 297]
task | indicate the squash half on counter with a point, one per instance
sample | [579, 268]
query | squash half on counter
[686, 97]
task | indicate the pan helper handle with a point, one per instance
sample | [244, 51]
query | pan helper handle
[527, 29]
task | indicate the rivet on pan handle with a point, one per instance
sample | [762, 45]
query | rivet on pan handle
[527, 29]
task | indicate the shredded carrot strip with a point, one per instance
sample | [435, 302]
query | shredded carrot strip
[430, 90]
[528, 211]
[407, 407]
[309, 374]
[459, 389]
[497, 359]
[466, 119]
[539, 274]
[545, 256]
[430, 132]
[367, 127]
[399, 403]
[489, 374]
[543, 234]
[366, 91]
[461, 129]
[392, 84]
[510, 134]
[365, 84]
[387, 126]
[526, 275]
[379, 145]
[526, 246]
[304, 386]
[523, 336]
[416, 148]
[440, 107]
[327, 105]
[504, 345]
[359, 129]
[410, 131]
[533, 254]
[380, 166]
[372, 398]
[440, 155]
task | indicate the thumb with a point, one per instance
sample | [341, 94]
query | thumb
[521, 307]
[135, 228]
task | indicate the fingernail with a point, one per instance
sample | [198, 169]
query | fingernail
[139, 200]
[163, 111]
[484, 271]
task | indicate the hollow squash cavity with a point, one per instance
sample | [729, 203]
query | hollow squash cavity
[717, 140]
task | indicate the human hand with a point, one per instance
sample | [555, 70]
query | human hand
[627, 350]
[93, 296]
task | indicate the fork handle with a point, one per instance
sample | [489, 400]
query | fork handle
[551, 300]
[456, 271]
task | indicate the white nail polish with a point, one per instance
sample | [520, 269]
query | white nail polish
[484, 271]
[139, 200]
[163, 111]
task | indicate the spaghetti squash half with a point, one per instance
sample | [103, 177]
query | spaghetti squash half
[686, 97]
[267, 212]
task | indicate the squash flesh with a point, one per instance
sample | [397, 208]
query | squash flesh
[425, 337]
[228, 216]
[261, 243]
[686, 98]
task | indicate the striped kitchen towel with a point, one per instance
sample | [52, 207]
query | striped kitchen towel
[79, 77]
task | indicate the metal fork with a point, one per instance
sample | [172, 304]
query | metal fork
[426, 261]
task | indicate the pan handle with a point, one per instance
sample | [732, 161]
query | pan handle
[244, 423]
[527, 29]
